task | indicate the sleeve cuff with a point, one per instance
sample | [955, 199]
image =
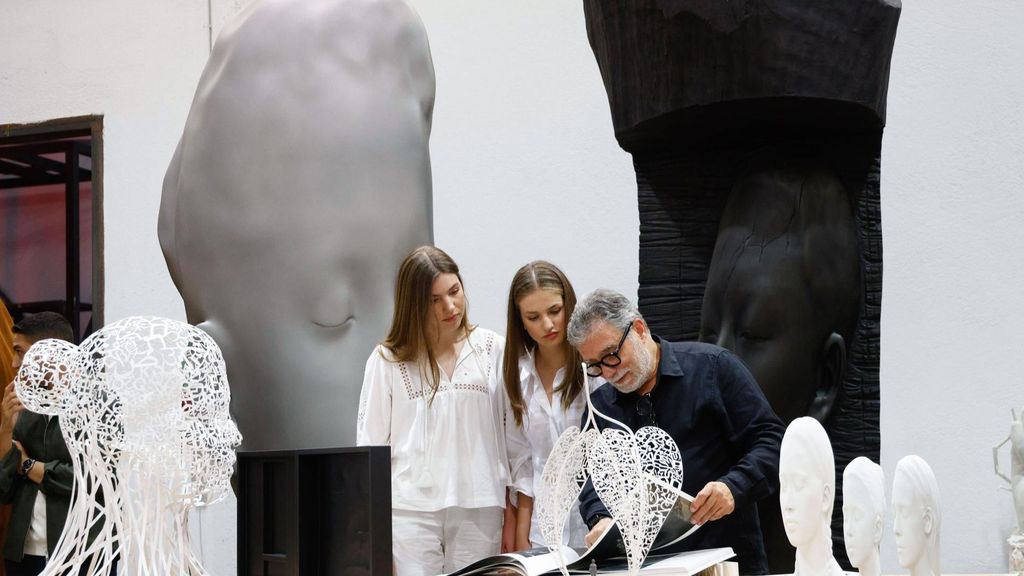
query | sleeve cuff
[10, 462]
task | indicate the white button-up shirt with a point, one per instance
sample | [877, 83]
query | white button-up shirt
[457, 449]
[543, 423]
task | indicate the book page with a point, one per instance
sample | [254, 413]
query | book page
[541, 560]
[682, 564]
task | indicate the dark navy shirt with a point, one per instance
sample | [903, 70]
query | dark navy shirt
[710, 404]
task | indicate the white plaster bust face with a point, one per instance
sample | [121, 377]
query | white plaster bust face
[802, 497]
[807, 488]
[863, 511]
[910, 524]
[916, 522]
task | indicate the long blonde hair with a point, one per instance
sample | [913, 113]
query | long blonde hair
[409, 339]
[537, 275]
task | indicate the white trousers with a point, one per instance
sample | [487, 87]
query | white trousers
[431, 543]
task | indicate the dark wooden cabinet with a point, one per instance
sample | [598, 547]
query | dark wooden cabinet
[315, 512]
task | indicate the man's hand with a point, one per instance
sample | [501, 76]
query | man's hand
[11, 407]
[600, 528]
[711, 503]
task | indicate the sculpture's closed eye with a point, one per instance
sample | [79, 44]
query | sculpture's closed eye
[348, 320]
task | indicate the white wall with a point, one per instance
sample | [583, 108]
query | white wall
[137, 65]
[524, 157]
[526, 166]
[952, 212]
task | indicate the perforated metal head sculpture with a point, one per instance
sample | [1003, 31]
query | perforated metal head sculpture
[300, 182]
[168, 413]
[144, 409]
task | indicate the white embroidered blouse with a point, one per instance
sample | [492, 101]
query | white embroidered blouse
[544, 422]
[458, 449]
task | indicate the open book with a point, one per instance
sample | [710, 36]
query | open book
[608, 553]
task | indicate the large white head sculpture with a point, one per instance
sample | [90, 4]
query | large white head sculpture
[917, 517]
[807, 495]
[301, 181]
[863, 513]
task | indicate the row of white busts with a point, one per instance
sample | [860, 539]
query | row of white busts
[807, 494]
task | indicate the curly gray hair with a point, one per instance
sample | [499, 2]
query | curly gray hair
[600, 305]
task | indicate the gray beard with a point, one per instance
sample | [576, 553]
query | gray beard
[643, 367]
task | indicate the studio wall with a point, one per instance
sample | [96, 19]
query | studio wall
[525, 165]
[952, 361]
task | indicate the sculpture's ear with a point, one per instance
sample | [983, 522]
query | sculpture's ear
[830, 378]
[826, 500]
[928, 520]
[876, 537]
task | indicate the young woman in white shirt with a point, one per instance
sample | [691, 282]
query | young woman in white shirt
[432, 391]
[543, 374]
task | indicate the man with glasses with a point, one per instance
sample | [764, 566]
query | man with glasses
[706, 400]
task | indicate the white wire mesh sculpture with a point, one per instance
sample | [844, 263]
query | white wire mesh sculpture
[639, 477]
[52, 382]
[564, 476]
[144, 408]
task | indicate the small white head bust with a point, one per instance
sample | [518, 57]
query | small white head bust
[915, 507]
[863, 513]
[807, 494]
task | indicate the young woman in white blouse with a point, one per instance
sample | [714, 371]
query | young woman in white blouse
[543, 374]
[432, 391]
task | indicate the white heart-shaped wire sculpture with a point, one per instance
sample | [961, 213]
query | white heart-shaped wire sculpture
[659, 457]
[633, 475]
[564, 476]
[639, 477]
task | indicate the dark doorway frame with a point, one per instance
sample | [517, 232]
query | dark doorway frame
[27, 159]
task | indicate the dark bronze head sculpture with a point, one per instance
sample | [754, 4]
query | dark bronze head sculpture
[698, 89]
[783, 288]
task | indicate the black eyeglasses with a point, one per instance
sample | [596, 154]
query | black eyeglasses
[611, 359]
[645, 410]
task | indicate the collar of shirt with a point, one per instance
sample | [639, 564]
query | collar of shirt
[668, 365]
[529, 378]
[474, 343]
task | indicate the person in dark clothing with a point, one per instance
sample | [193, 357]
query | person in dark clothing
[36, 473]
[706, 400]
